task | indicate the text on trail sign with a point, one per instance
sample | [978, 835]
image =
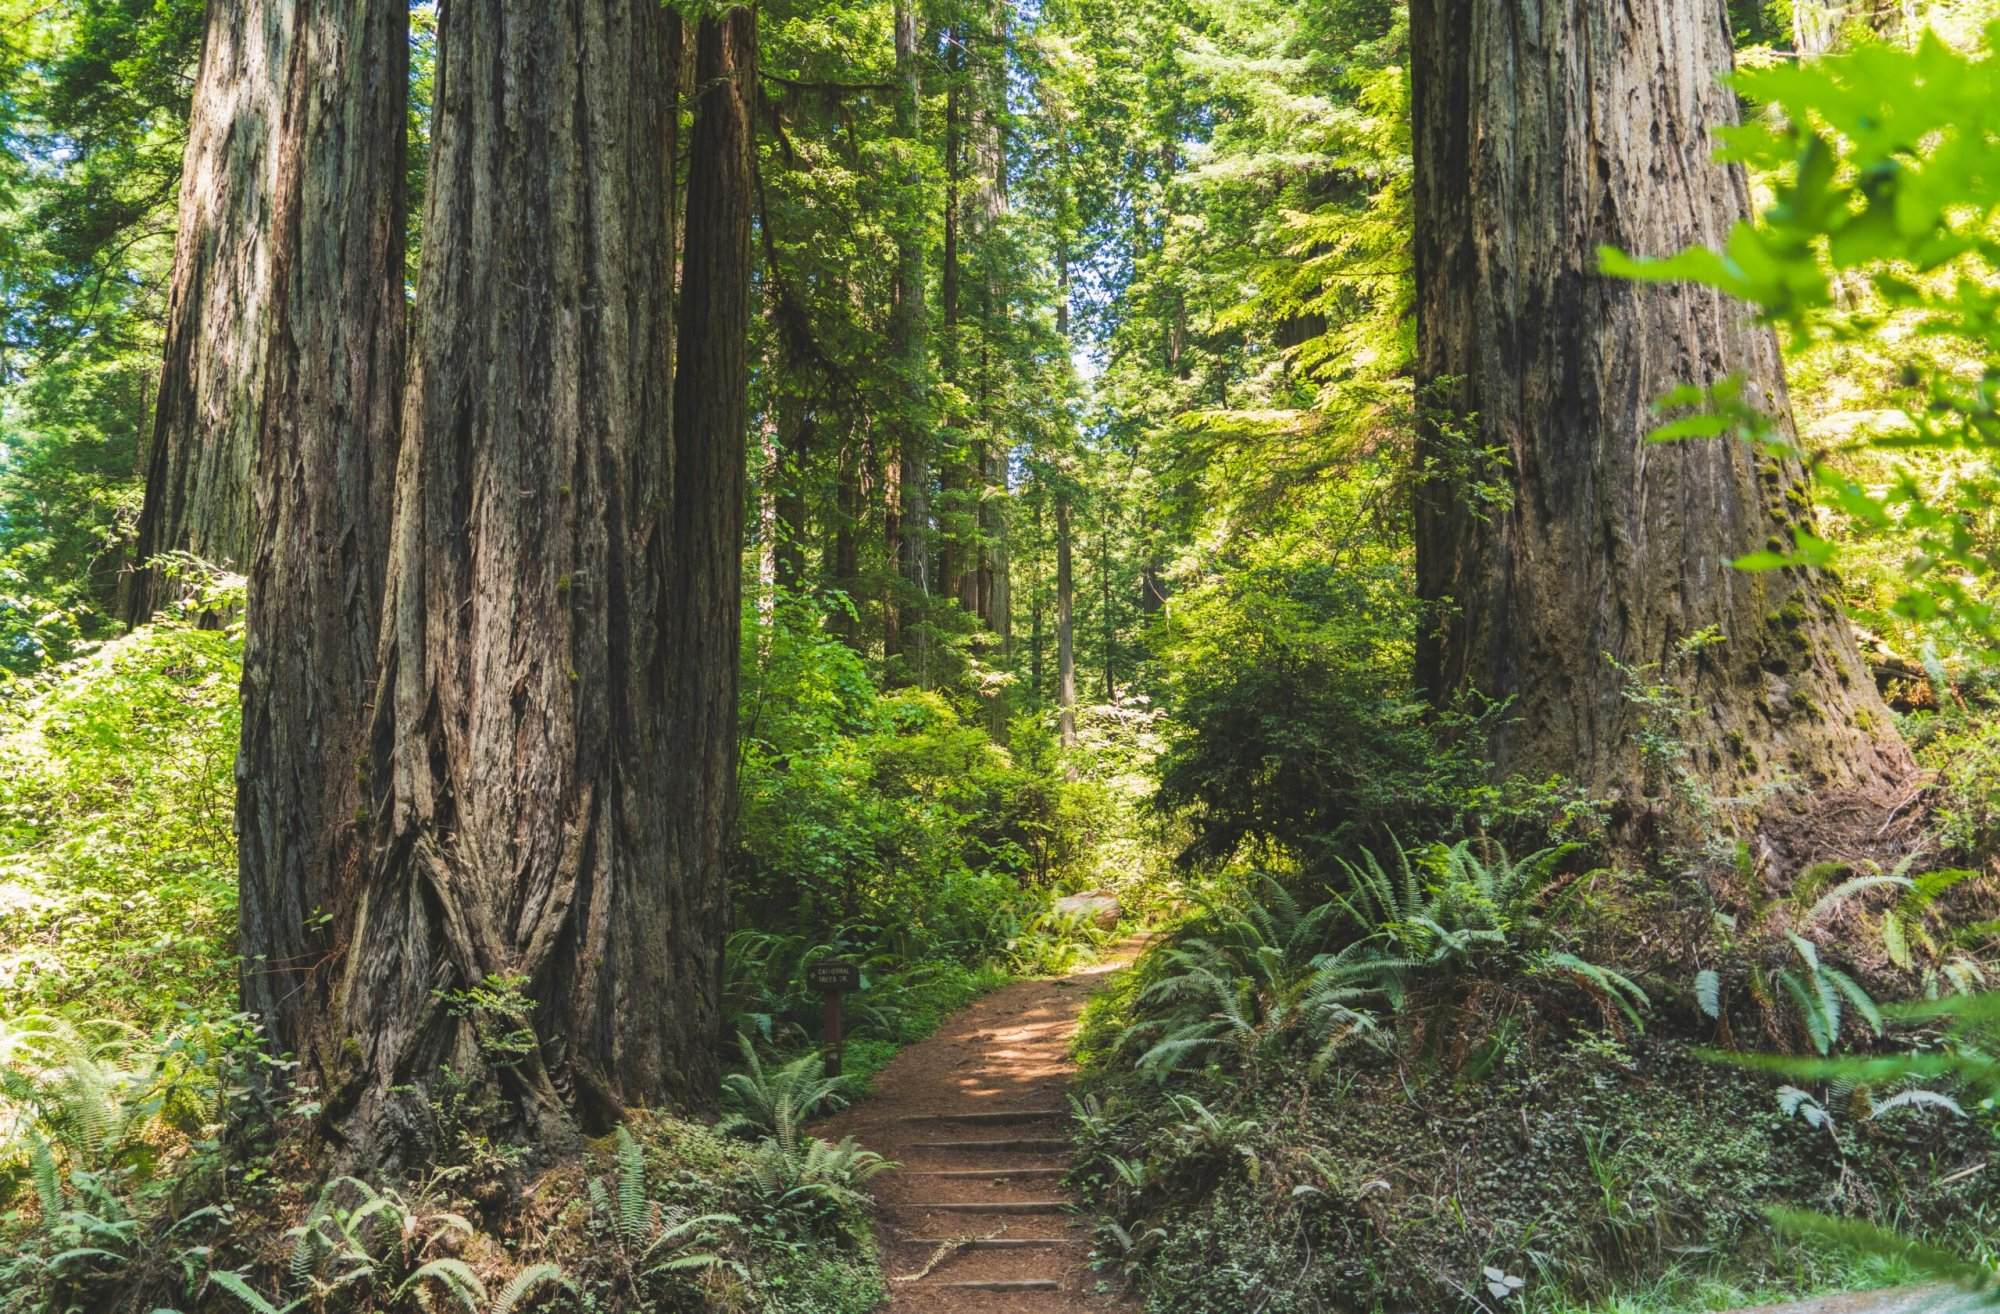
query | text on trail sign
[828, 976]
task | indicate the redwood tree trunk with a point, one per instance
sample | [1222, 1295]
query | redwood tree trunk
[711, 413]
[535, 915]
[1545, 129]
[197, 470]
[326, 454]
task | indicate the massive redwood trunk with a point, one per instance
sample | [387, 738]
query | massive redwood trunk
[197, 471]
[325, 457]
[1544, 129]
[541, 912]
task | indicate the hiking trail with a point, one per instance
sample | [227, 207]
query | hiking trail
[977, 1220]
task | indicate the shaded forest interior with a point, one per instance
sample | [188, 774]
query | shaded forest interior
[529, 532]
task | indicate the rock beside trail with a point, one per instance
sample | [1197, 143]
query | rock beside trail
[1098, 907]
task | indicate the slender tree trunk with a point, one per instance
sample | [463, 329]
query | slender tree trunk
[907, 343]
[844, 553]
[1816, 25]
[1110, 625]
[1545, 129]
[958, 549]
[542, 911]
[325, 458]
[1038, 604]
[197, 497]
[797, 433]
[1065, 625]
[989, 211]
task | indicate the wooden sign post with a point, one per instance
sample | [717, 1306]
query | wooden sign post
[833, 978]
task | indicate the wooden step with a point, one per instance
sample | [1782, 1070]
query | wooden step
[990, 1116]
[994, 1284]
[1037, 1144]
[986, 1174]
[991, 1242]
[984, 1206]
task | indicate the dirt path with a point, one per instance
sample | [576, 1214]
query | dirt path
[978, 1119]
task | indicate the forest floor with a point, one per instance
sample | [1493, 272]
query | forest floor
[976, 1219]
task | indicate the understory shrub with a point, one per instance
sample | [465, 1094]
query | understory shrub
[117, 839]
[890, 822]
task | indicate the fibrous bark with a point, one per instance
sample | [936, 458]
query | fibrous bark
[197, 471]
[325, 455]
[1545, 129]
[704, 631]
[540, 913]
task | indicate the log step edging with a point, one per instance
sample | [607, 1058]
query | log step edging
[986, 1174]
[984, 1206]
[990, 1115]
[1036, 1144]
[993, 1242]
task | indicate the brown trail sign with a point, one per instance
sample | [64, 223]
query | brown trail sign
[833, 978]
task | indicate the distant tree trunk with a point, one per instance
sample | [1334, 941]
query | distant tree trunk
[325, 459]
[543, 748]
[989, 212]
[797, 433]
[1037, 605]
[1110, 622]
[958, 550]
[1065, 625]
[197, 497]
[1816, 25]
[907, 344]
[1543, 130]
[844, 552]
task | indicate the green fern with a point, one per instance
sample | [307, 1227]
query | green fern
[1606, 983]
[532, 1278]
[778, 1101]
[633, 1207]
[235, 1285]
[455, 1276]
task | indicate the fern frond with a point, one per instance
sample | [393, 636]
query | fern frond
[455, 1276]
[531, 1278]
[632, 1203]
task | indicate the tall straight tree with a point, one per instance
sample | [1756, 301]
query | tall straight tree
[1545, 129]
[197, 471]
[704, 627]
[324, 462]
[1065, 623]
[989, 211]
[530, 916]
[910, 532]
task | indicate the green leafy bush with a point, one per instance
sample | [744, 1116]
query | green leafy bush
[887, 821]
[117, 842]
